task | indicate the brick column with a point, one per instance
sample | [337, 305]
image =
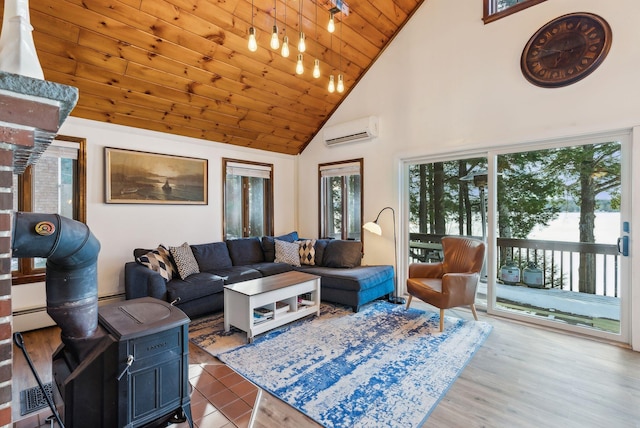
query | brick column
[31, 112]
[6, 347]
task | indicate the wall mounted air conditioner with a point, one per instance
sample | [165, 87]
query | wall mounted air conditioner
[355, 130]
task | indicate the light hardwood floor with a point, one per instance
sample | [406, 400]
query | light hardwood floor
[523, 376]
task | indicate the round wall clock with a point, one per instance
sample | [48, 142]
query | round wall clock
[566, 50]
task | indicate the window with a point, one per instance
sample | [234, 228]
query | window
[55, 184]
[341, 199]
[248, 199]
[496, 9]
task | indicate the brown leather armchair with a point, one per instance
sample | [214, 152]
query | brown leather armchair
[453, 281]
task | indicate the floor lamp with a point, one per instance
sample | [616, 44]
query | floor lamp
[374, 227]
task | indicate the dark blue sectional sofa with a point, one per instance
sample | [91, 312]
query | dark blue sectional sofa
[337, 262]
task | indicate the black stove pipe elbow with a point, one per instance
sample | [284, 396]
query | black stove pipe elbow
[71, 251]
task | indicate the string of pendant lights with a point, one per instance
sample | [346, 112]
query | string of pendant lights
[337, 7]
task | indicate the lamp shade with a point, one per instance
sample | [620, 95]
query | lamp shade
[373, 227]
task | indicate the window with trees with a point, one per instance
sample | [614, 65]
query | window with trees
[55, 184]
[341, 199]
[496, 9]
[248, 199]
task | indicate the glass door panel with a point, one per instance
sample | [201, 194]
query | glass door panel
[558, 220]
[447, 198]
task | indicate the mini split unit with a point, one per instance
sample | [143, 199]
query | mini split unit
[348, 132]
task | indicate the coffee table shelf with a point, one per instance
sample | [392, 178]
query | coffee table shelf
[241, 299]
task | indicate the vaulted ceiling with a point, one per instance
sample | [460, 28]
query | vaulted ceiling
[183, 66]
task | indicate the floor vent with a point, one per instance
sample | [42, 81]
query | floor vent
[33, 399]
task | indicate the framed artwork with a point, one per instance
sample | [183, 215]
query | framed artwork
[133, 177]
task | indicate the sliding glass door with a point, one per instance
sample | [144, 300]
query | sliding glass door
[557, 219]
[554, 217]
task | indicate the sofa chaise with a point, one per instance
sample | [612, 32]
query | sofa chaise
[193, 276]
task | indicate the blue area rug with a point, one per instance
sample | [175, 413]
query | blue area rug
[382, 366]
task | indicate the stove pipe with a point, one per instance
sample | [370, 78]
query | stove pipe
[71, 251]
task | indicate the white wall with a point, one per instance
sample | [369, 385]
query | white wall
[122, 227]
[450, 83]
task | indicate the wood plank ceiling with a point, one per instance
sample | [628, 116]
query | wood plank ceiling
[183, 67]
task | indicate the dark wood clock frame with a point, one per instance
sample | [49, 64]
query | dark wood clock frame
[566, 49]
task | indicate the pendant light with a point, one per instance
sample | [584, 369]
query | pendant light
[301, 43]
[285, 39]
[331, 27]
[340, 86]
[332, 85]
[316, 62]
[299, 65]
[275, 41]
[253, 43]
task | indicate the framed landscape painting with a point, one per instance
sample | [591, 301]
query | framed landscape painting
[134, 177]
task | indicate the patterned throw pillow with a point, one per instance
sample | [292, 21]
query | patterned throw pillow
[158, 260]
[307, 252]
[287, 252]
[184, 259]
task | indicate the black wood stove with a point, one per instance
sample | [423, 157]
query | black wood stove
[136, 376]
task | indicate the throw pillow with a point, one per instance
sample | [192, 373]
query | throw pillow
[342, 254]
[158, 260]
[287, 252]
[185, 261]
[307, 252]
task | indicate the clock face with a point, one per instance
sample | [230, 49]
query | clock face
[566, 50]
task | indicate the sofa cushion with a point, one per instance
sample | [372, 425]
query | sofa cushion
[320, 246]
[307, 252]
[342, 254]
[355, 279]
[211, 256]
[287, 252]
[194, 287]
[269, 246]
[158, 260]
[184, 260]
[245, 251]
[268, 269]
[234, 274]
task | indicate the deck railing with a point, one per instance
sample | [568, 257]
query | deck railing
[559, 261]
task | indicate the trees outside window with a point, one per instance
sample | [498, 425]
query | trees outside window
[55, 184]
[341, 199]
[248, 199]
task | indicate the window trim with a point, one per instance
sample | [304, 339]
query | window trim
[260, 169]
[489, 16]
[26, 273]
[324, 166]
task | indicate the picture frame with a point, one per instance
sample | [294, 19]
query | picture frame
[136, 177]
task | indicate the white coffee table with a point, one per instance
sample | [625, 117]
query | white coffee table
[273, 293]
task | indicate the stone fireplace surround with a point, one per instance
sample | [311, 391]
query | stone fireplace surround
[31, 113]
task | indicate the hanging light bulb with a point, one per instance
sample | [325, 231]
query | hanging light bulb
[316, 68]
[340, 86]
[285, 47]
[299, 65]
[253, 43]
[332, 85]
[275, 41]
[331, 27]
[301, 43]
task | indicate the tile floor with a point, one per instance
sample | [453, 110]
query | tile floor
[220, 398]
